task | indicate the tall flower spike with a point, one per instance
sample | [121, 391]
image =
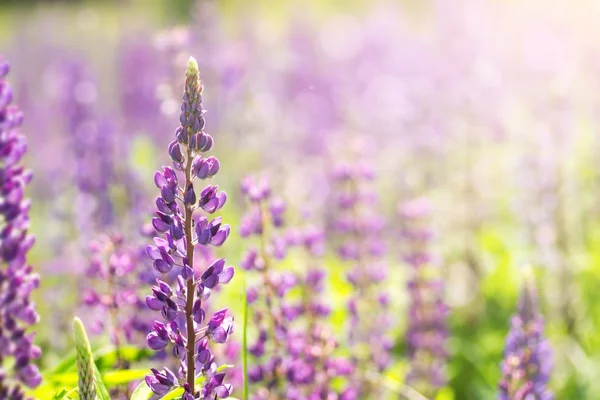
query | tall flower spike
[17, 280]
[528, 363]
[93, 146]
[427, 331]
[185, 324]
[292, 357]
[116, 273]
[357, 231]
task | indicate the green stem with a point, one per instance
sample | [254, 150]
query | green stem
[191, 286]
[269, 290]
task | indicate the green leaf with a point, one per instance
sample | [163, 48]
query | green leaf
[121, 377]
[111, 378]
[60, 394]
[46, 391]
[173, 394]
[65, 394]
[106, 358]
[102, 391]
[67, 364]
[445, 394]
[86, 368]
[141, 392]
[142, 155]
[222, 368]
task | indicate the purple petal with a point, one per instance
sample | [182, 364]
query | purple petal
[153, 252]
[162, 266]
[159, 180]
[160, 225]
[221, 236]
[153, 303]
[226, 275]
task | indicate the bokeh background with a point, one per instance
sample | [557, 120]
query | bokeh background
[489, 108]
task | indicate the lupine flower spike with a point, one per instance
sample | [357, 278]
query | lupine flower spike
[358, 231]
[293, 355]
[17, 280]
[184, 323]
[427, 331]
[528, 360]
[118, 309]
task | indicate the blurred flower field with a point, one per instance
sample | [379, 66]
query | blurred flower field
[311, 200]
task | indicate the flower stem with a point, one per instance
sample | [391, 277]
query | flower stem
[191, 287]
[275, 313]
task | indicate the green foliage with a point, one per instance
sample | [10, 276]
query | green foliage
[96, 368]
[85, 363]
[142, 156]
[65, 373]
[445, 394]
[479, 328]
[141, 392]
[65, 394]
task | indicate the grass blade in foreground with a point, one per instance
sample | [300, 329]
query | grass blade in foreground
[91, 386]
[85, 362]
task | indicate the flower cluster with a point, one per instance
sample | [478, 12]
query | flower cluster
[294, 350]
[17, 280]
[114, 267]
[427, 331]
[92, 144]
[184, 324]
[527, 361]
[310, 362]
[358, 230]
[267, 350]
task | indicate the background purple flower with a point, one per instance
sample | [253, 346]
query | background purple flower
[118, 271]
[528, 362]
[17, 280]
[427, 329]
[293, 355]
[356, 233]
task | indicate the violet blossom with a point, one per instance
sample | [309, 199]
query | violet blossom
[427, 326]
[293, 356]
[184, 322]
[115, 268]
[93, 147]
[17, 280]
[528, 363]
[356, 231]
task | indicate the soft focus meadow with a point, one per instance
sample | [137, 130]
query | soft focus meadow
[274, 200]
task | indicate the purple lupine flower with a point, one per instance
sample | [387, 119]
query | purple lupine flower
[139, 102]
[114, 269]
[528, 363]
[427, 331]
[17, 280]
[293, 352]
[357, 230]
[270, 321]
[93, 147]
[186, 325]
